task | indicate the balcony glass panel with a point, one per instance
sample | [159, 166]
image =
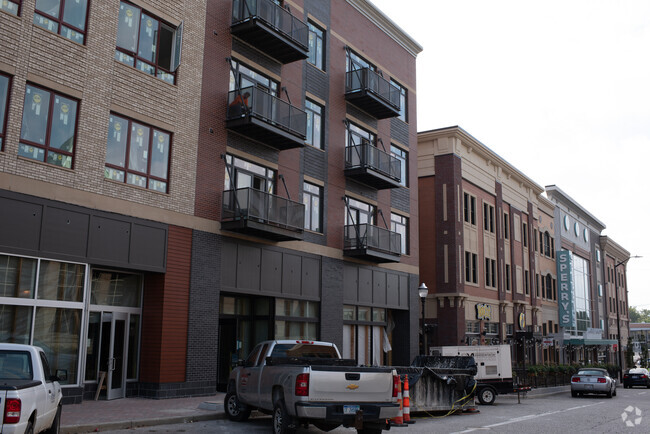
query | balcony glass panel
[251, 204]
[369, 156]
[272, 15]
[366, 236]
[366, 79]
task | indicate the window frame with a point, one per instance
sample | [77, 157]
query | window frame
[4, 122]
[403, 156]
[17, 3]
[400, 221]
[506, 226]
[317, 38]
[239, 165]
[312, 114]
[61, 23]
[471, 268]
[127, 154]
[307, 200]
[48, 128]
[174, 54]
[403, 101]
[268, 85]
[488, 217]
[469, 208]
[490, 273]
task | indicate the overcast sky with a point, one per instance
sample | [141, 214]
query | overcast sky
[559, 89]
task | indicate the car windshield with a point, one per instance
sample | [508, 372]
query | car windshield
[15, 365]
[304, 350]
[591, 372]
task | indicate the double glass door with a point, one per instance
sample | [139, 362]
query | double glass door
[107, 353]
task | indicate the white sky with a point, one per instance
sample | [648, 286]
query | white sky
[559, 89]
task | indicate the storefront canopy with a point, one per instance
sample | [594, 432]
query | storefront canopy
[579, 341]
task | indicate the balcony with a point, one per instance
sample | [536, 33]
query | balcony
[372, 166]
[265, 118]
[271, 29]
[371, 243]
[372, 93]
[262, 214]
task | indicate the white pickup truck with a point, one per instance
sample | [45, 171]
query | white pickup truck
[301, 382]
[30, 397]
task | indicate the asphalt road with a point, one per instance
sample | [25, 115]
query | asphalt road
[629, 411]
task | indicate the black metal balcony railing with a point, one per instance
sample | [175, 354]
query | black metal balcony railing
[253, 211]
[372, 166]
[372, 242]
[372, 93]
[270, 28]
[266, 118]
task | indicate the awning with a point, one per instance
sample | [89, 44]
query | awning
[580, 341]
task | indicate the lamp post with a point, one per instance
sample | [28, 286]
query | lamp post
[422, 292]
[618, 316]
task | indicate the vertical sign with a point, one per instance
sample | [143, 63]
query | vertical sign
[566, 308]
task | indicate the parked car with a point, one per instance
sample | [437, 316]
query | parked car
[307, 382]
[29, 395]
[593, 380]
[636, 377]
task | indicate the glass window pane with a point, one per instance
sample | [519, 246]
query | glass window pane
[166, 43]
[160, 154]
[60, 281]
[35, 115]
[134, 343]
[64, 116]
[72, 34]
[116, 289]
[364, 313]
[9, 6]
[15, 324]
[348, 313]
[50, 7]
[93, 346]
[56, 331]
[17, 277]
[148, 36]
[127, 27]
[4, 92]
[74, 13]
[139, 148]
[59, 159]
[46, 23]
[116, 143]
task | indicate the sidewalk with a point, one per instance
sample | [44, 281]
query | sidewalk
[92, 416]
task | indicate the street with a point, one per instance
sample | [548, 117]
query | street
[628, 411]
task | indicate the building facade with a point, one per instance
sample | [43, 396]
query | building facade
[180, 180]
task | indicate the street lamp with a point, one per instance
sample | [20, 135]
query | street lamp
[422, 292]
[618, 316]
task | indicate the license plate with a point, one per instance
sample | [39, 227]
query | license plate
[350, 409]
[589, 387]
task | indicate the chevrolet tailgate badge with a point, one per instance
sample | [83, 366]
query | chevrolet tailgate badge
[352, 386]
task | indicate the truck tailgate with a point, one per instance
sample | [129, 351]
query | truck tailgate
[349, 385]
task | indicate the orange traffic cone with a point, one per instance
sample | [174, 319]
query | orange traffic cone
[407, 401]
[399, 419]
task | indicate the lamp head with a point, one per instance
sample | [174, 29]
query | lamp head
[423, 290]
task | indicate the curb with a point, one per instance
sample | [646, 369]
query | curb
[128, 424]
[539, 393]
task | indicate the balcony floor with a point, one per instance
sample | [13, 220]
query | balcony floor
[371, 178]
[373, 255]
[269, 41]
[262, 230]
[264, 132]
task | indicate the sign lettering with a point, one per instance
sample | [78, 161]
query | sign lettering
[566, 311]
[484, 311]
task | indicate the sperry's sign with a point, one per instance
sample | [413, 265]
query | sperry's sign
[484, 311]
[566, 308]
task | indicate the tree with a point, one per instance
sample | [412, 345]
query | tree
[639, 315]
[629, 354]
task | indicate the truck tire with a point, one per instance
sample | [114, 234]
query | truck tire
[56, 423]
[487, 395]
[235, 410]
[30, 427]
[282, 422]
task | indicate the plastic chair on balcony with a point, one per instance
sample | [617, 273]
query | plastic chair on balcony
[239, 106]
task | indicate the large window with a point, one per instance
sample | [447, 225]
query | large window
[488, 217]
[137, 154]
[490, 273]
[469, 208]
[403, 101]
[148, 43]
[403, 158]
[11, 6]
[49, 127]
[400, 224]
[316, 46]
[581, 288]
[314, 124]
[312, 198]
[354, 62]
[68, 18]
[365, 335]
[358, 212]
[296, 319]
[242, 76]
[246, 174]
[5, 82]
[471, 267]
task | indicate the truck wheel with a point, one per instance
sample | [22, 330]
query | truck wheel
[235, 410]
[282, 423]
[30, 428]
[487, 396]
[56, 423]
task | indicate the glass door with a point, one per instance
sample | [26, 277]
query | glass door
[114, 355]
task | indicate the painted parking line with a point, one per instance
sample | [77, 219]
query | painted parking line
[527, 417]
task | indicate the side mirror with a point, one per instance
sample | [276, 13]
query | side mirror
[240, 362]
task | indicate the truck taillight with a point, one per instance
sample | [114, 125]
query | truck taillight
[12, 410]
[302, 385]
[396, 384]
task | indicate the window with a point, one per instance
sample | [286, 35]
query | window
[241, 76]
[316, 46]
[296, 319]
[68, 18]
[314, 124]
[490, 273]
[536, 285]
[402, 101]
[488, 217]
[472, 327]
[403, 158]
[535, 240]
[354, 62]
[248, 175]
[547, 244]
[137, 154]
[400, 224]
[49, 127]
[358, 212]
[311, 197]
[147, 43]
[527, 282]
[11, 6]
[471, 266]
[508, 277]
[506, 226]
[524, 233]
[5, 83]
[365, 335]
[469, 208]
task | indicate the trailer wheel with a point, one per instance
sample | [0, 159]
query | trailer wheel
[487, 395]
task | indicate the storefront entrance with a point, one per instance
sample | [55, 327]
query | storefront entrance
[113, 353]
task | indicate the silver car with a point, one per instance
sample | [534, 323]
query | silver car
[593, 380]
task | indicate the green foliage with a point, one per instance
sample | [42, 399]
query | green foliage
[636, 315]
[629, 355]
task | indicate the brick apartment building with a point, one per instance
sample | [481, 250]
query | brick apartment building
[180, 180]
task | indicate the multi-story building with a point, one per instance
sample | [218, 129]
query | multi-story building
[487, 247]
[160, 213]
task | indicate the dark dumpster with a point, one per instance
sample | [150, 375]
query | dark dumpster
[439, 383]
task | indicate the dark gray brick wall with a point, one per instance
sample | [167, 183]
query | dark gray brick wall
[400, 199]
[364, 117]
[331, 309]
[256, 56]
[358, 188]
[252, 147]
[399, 131]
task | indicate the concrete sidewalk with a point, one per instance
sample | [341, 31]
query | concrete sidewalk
[94, 416]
